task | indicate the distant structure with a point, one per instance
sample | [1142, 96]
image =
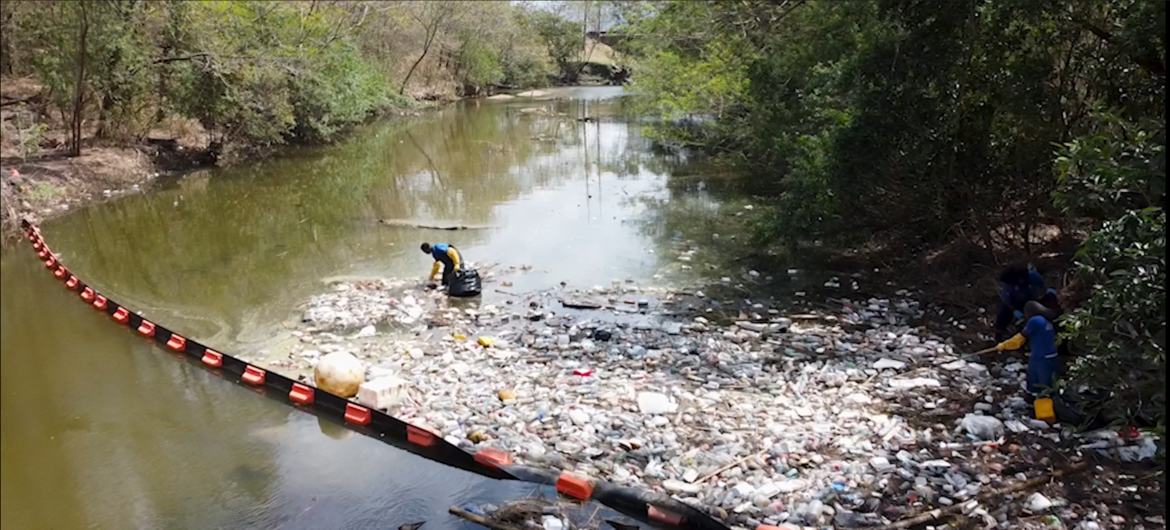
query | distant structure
[609, 38]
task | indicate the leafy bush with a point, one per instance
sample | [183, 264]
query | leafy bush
[478, 65]
[894, 117]
[265, 74]
[561, 38]
[253, 73]
[1121, 328]
[914, 121]
[256, 74]
[1117, 171]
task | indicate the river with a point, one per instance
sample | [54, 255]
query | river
[101, 430]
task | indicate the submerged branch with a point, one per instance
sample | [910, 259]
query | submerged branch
[404, 223]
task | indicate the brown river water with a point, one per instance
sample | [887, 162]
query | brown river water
[102, 430]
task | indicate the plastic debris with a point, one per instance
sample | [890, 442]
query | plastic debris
[982, 427]
[840, 417]
[339, 373]
[883, 364]
[1037, 502]
[655, 403]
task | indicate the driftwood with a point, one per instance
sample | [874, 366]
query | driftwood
[481, 520]
[409, 224]
[582, 304]
[716, 473]
[998, 494]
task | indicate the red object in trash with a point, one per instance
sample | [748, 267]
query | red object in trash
[1129, 432]
[583, 372]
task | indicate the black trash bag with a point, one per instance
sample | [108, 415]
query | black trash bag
[1080, 410]
[465, 283]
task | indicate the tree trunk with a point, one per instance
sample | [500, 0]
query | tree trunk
[426, 48]
[79, 81]
[584, 29]
[107, 102]
[7, 28]
[161, 88]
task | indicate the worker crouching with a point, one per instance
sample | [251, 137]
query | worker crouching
[459, 280]
[446, 257]
[1039, 334]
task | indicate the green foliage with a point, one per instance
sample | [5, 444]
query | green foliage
[262, 74]
[1117, 167]
[478, 65]
[257, 74]
[895, 117]
[893, 114]
[523, 56]
[334, 90]
[525, 69]
[253, 73]
[54, 59]
[29, 138]
[1117, 171]
[561, 38]
[1122, 326]
[710, 86]
[44, 191]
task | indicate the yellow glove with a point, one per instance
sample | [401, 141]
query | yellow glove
[1013, 343]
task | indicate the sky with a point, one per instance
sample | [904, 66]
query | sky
[571, 10]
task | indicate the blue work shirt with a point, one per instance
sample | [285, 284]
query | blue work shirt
[439, 252]
[1015, 296]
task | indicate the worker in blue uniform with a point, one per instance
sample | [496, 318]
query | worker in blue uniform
[1039, 334]
[1018, 285]
[445, 256]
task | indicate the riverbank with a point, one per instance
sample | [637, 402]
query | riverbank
[845, 414]
[38, 181]
[44, 188]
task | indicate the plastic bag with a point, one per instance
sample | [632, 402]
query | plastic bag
[465, 283]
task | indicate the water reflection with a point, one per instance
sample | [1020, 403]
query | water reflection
[101, 429]
[225, 256]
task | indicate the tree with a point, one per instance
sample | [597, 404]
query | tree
[432, 17]
[920, 124]
[79, 78]
[1117, 172]
[560, 38]
[894, 121]
[256, 74]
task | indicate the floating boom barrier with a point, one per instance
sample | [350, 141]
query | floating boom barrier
[651, 508]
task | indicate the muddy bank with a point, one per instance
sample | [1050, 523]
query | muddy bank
[38, 180]
[39, 190]
[854, 415]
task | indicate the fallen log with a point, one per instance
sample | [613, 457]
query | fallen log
[403, 223]
[582, 304]
[481, 520]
